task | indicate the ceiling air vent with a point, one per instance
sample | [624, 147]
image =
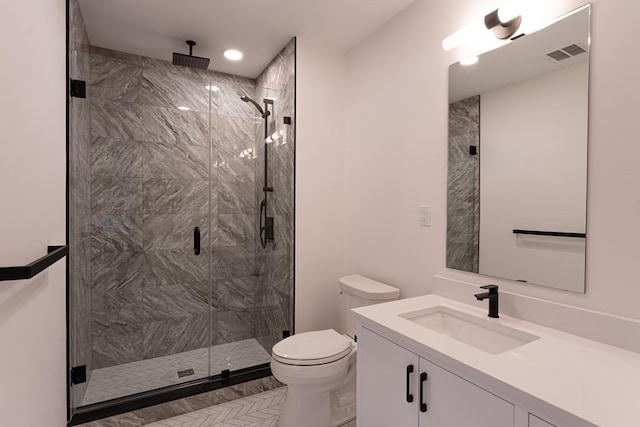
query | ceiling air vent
[558, 55]
[573, 50]
[566, 52]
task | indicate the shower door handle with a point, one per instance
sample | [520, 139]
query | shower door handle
[196, 240]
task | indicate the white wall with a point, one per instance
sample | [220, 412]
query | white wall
[533, 171]
[320, 137]
[396, 152]
[32, 212]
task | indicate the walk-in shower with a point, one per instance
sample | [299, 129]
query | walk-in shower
[266, 222]
[170, 290]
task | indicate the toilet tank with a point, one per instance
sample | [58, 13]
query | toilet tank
[358, 291]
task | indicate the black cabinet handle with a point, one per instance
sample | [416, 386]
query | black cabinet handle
[409, 395]
[423, 379]
[196, 240]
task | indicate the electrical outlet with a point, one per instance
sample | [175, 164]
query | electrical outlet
[425, 215]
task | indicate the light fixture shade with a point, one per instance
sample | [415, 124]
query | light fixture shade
[501, 30]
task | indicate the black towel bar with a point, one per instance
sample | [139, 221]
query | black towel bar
[54, 253]
[550, 233]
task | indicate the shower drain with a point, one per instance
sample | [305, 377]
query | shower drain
[185, 373]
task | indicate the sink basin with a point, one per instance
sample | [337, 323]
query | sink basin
[483, 334]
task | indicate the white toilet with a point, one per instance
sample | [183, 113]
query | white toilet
[319, 367]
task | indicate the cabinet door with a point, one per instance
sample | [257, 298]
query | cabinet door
[382, 383]
[454, 402]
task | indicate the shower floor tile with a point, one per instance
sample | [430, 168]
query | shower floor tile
[144, 375]
[259, 410]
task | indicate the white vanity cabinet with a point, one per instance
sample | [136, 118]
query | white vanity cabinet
[398, 388]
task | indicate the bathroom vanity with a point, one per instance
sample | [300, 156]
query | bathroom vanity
[432, 361]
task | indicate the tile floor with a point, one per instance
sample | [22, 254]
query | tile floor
[259, 410]
[136, 377]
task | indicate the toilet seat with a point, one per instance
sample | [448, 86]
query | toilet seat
[312, 348]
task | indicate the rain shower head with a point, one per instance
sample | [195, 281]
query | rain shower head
[190, 60]
[263, 114]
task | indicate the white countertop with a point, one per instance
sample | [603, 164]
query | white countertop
[598, 383]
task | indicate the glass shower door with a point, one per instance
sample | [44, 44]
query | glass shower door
[140, 202]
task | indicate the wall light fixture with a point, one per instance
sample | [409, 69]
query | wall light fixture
[502, 22]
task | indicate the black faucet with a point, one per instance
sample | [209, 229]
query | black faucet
[493, 299]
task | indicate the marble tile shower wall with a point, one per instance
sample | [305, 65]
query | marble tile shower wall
[80, 217]
[274, 292]
[151, 164]
[463, 191]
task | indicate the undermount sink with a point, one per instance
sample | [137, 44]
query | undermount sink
[483, 334]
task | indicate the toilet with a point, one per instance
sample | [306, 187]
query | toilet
[319, 367]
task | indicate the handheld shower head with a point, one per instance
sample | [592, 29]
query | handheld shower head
[263, 114]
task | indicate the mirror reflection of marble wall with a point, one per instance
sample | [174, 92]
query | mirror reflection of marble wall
[463, 185]
[524, 107]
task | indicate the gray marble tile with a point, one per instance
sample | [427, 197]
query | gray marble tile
[459, 146]
[128, 58]
[236, 197]
[175, 161]
[177, 266]
[228, 102]
[110, 195]
[117, 270]
[119, 306]
[273, 321]
[116, 343]
[174, 231]
[461, 188]
[115, 79]
[464, 115]
[236, 230]
[166, 337]
[173, 125]
[231, 135]
[175, 301]
[280, 71]
[275, 271]
[235, 325]
[116, 157]
[167, 67]
[236, 292]
[174, 88]
[116, 119]
[232, 261]
[111, 232]
[175, 196]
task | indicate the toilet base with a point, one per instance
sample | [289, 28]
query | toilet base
[314, 409]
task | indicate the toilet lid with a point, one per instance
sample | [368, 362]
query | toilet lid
[312, 348]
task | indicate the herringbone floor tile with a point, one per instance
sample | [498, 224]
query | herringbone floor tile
[259, 410]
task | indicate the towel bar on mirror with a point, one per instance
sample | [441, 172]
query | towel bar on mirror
[550, 233]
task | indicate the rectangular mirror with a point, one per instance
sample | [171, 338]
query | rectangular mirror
[517, 168]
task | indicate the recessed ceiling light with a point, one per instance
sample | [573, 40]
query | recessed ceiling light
[233, 55]
[184, 108]
[469, 60]
[212, 88]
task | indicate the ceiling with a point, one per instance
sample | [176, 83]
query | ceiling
[258, 28]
